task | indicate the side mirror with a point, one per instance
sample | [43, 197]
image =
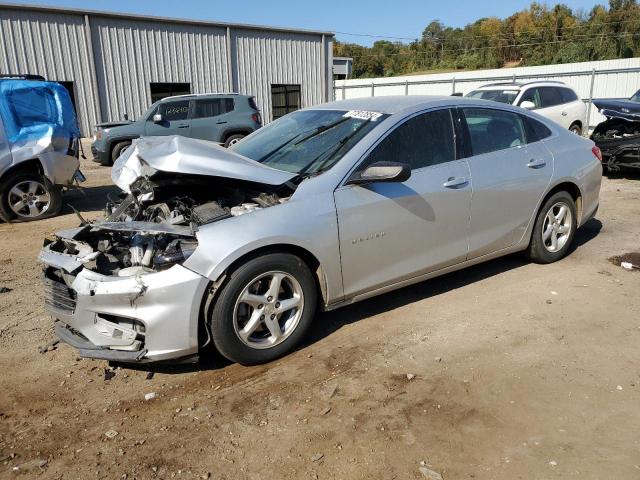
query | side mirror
[527, 105]
[388, 172]
[157, 118]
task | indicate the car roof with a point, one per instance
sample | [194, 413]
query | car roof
[204, 95]
[520, 85]
[389, 104]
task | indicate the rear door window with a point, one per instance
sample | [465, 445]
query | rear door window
[568, 95]
[535, 130]
[550, 96]
[492, 130]
[424, 140]
[212, 107]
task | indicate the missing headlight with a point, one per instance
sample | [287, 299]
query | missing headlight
[177, 251]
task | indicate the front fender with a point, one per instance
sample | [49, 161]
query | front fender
[309, 224]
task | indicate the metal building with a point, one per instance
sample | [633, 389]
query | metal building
[115, 64]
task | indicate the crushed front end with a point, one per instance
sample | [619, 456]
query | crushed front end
[117, 288]
[618, 137]
[118, 291]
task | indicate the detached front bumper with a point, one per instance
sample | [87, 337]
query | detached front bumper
[143, 318]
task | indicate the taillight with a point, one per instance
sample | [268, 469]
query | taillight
[598, 154]
[99, 135]
[257, 118]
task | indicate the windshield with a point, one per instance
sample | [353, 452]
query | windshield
[636, 97]
[502, 96]
[308, 141]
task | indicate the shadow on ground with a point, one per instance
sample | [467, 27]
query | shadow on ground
[88, 199]
[624, 173]
[329, 322]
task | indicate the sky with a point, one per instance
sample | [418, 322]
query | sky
[403, 19]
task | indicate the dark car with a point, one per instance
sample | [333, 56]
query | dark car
[221, 118]
[619, 135]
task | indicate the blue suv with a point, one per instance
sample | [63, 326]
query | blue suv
[39, 147]
[221, 118]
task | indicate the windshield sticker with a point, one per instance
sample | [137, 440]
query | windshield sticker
[363, 115]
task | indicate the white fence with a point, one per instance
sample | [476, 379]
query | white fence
[603, 79]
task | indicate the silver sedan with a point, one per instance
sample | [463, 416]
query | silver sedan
[324, 207]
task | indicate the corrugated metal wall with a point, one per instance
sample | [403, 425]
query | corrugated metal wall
[131, 54]
[54, 46]
[264, 58]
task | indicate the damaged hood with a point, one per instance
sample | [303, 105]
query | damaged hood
[624, 109]
[176, 154]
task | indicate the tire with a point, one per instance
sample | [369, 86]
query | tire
[235, 138]
[541, 248]
[576, 128]
[117, 150]
[231, 315]
[23, 198]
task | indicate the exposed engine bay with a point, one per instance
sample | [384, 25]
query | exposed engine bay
[618, 137]
[152, 223]
[154, 226]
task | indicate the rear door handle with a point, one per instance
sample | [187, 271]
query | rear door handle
[455, 182]
[221, 122]
[533, 163]
[564, 114]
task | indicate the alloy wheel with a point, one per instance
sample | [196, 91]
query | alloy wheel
[268, 310]
[556, 228]
[29, 198]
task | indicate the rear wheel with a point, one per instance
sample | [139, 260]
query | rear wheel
[28, 196]
[576, 128]
[264, 309]
[554, 229]
[233, 139]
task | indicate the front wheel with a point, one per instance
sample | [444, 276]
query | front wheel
[554, 229]
[117, 150]
[27, 197]
[264, 309]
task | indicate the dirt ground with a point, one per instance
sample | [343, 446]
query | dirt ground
[507, 370]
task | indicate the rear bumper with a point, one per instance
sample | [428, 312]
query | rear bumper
[59, 168]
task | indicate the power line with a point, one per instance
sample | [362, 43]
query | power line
[376, 36]
[463, 35]
[515, 45]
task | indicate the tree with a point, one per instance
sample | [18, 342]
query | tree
[537, 35]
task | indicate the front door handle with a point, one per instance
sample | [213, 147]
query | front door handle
[564, 114]
[533, 163]
[221, 122]
[455, 182]
[183, 126]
